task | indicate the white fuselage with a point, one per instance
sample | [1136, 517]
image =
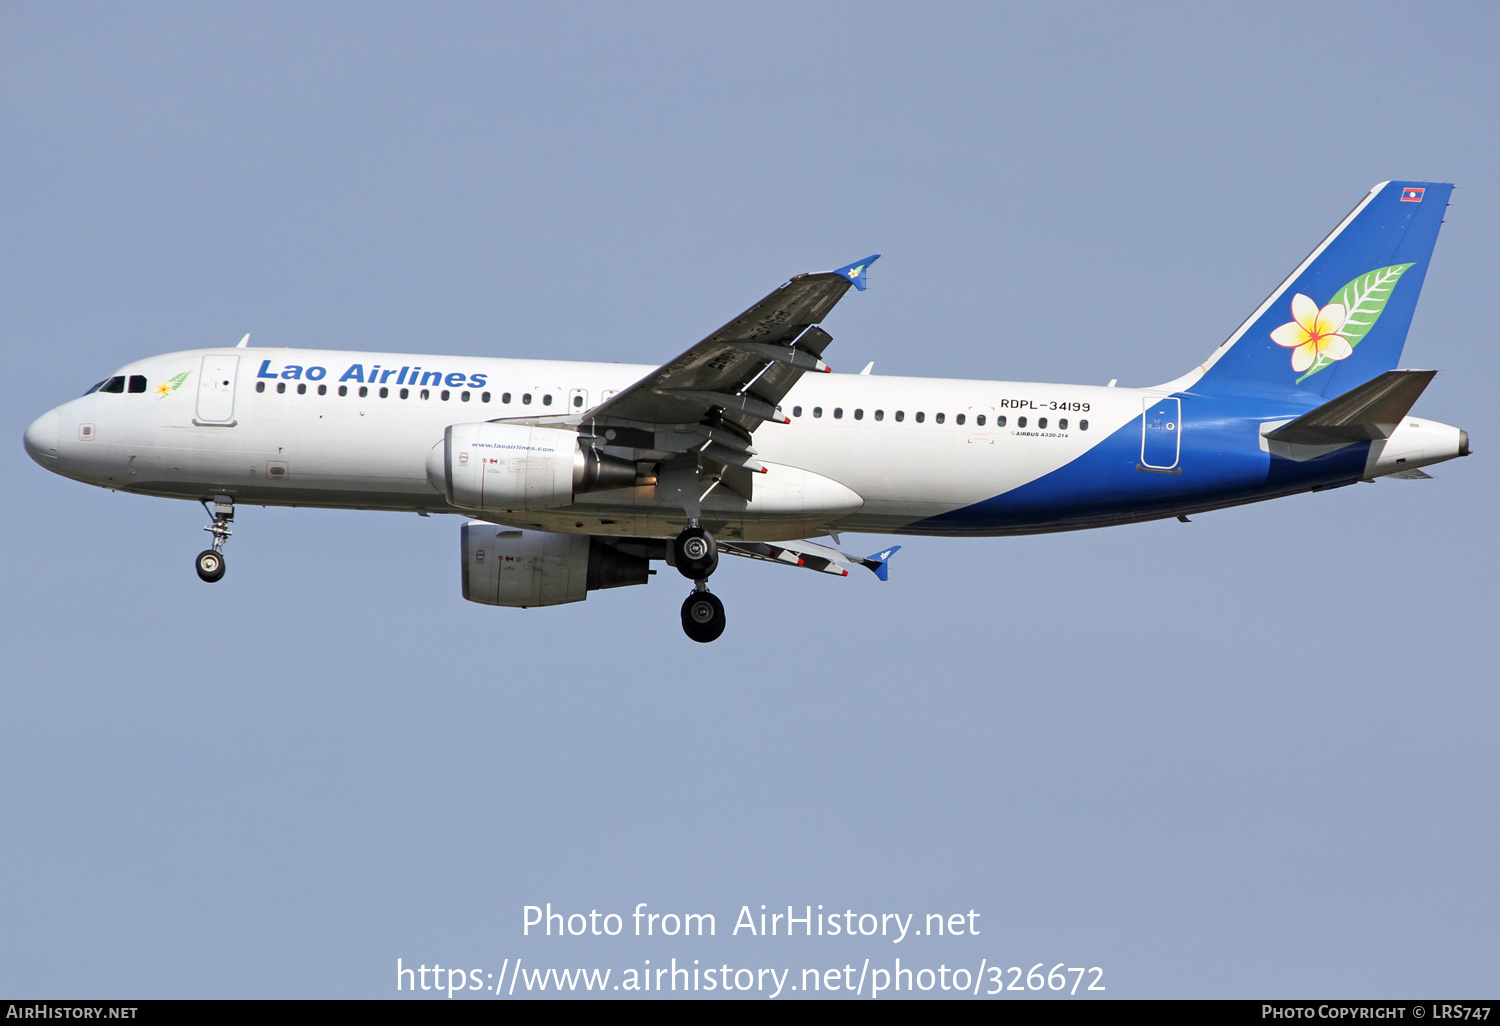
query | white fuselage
[862, 452]
[286, 444]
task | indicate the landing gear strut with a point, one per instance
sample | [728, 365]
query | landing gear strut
[697, 557]
[210, 562]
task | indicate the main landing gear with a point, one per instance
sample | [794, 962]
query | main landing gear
[697, 557]
[210, 562]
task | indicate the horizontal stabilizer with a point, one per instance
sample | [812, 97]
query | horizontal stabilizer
[1362, 414]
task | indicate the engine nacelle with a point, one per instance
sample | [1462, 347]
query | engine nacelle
[513, 467]
[507, 567]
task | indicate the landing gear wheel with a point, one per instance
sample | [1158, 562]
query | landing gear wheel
[210, 562]
[696, 554]
[210, 565]
[703, 616]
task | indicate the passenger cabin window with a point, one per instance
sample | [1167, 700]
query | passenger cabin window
[938, 417]
[959, 418]
[859, 414]
[137, 382]
[424, 394]
[281, 387]
[464, 396]
[817, 411]
[114, 384]
[505, 398]
[322, 389]
[1020, 422]
[546, 399]
[1041, 423]
[385, 393]
[577, 401]
[260, 386]
[364, 391]
[343, 390]
[1083, 425]
[921, 416]
[525, 398]
[796, 410]
[880, 415]
[1000, 421]
[900, 416]
[404, 393]
[484, 397]
[1062, 425]
[838, 413]
[302, 389]
[979, 420]
[443, 395]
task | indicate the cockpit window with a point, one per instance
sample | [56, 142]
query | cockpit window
[95, 387]
[114, 384]
[137, 382]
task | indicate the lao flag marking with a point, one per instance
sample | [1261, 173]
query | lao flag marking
[1412, 195]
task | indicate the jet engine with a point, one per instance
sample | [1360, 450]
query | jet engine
[513, 467]
[507, 567]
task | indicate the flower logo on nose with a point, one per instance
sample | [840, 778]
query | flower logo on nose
[1313, 335]
[166, 388]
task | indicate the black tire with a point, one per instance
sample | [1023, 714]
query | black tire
[703, 616]
[210, 565]
[695, 553]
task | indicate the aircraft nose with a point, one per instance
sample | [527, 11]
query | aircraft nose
[41, 439]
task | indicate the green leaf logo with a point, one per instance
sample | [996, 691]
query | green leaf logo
[1363, 298]
[171, 385]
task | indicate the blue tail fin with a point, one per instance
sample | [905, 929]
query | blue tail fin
[1342, 316]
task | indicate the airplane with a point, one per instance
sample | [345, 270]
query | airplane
[574, 477]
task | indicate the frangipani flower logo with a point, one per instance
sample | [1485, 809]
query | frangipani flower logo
[1313, 333]
[1321, 336]
[166, 388]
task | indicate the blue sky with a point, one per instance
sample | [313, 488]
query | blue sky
[1249, 756]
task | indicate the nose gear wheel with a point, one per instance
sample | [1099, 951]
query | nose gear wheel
[210, 562]
[210, 565]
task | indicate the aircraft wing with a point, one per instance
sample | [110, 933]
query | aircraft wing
[744, 369]
[810, 555]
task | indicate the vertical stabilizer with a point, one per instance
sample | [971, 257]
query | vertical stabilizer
[1341, 317]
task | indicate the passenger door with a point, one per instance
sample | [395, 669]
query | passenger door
[1161, 434]
[216, 390]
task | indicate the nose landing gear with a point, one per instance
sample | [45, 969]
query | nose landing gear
[210, 562]
[697, 557]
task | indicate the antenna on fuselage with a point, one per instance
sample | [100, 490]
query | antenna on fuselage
[244, 341]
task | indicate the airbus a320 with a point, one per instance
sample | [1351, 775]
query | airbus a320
[574, 477]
